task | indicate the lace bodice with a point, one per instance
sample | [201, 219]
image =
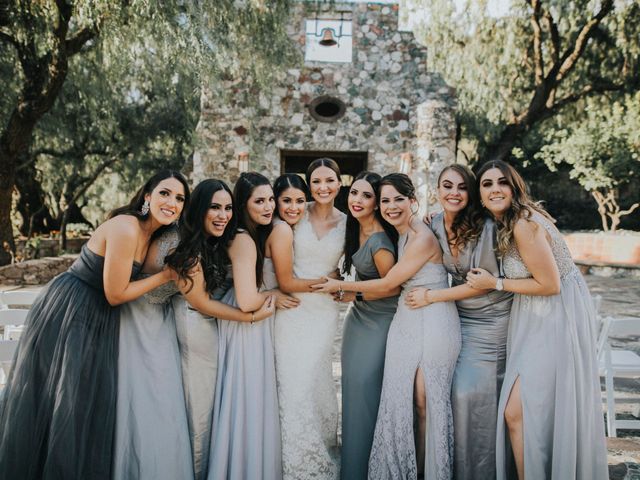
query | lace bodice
[514, 266]
[315, 257]
[164, 243]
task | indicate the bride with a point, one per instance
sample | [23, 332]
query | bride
[304, 336]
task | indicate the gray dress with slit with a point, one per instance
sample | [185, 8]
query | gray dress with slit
[551, 349]
[478, 376]
[363, 347]
[427, 338]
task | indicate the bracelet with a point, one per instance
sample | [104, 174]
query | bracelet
[340, 292]
[359, 296]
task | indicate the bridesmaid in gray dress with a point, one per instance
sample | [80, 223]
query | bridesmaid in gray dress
[152, 437]
[484, 318]
[201, 262]
[246, 424]
[422, 349]
[58, 408]
[550, 398]
[370, 247]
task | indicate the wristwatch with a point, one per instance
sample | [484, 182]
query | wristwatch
[500, 284]
[359, 296]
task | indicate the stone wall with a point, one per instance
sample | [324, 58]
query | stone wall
[35, 272]
[394, 105]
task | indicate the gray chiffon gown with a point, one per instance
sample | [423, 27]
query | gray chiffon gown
[478, 376]
[551, 349]
[245, 440]
[364, 342]
[198, 342]
[427, 338]
[152, 436]
[58, 408]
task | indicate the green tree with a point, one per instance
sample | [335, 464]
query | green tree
[39, 40]
[519, 70]
[603, 151]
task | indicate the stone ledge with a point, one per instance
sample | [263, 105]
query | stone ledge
[35, 272]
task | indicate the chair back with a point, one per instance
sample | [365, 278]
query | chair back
[17, 297]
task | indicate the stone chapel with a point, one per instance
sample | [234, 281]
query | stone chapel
[364, 96]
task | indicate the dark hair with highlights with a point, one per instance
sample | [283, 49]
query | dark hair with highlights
[468, 223]
[196, 246]
[135, 204]
[522, 205]
[242, 192]
[352, 233]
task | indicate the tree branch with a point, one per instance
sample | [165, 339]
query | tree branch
[600, 87]
[572, 55]
[75, 44]
[555, 36]
[6, 37]
[537, 41]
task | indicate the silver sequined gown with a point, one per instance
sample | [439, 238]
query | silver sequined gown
[551, 348]
[427, 338]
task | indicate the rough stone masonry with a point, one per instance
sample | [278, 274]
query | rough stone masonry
[392, 105]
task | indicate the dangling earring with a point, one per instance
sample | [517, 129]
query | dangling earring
[145, 207]
[414, 211]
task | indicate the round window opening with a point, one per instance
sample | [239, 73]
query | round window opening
[327, 109]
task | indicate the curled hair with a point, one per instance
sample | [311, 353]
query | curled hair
[352, 233]
[322, 162]
[286, 181]
[522, 206]
[134, 206]
[468, 223]
[195, 245]
[243, 190]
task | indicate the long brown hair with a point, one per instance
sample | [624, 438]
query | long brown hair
[468, 223]
[522, 205]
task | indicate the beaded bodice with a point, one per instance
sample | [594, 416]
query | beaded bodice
[165, 243]
[514, 266]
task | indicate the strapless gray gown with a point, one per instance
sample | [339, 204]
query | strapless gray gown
[152, 436]
[58, 409]
[478, 376]
[551, 348]
[245, 442]
[364, 343]
[427, 338]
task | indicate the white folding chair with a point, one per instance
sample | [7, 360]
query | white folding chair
[614, 362]
[12, 321]
[17, 297]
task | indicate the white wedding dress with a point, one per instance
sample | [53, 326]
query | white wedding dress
[303, 344]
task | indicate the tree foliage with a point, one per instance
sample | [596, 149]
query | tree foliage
[516, 71]
[603, 151]
[41, 42]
